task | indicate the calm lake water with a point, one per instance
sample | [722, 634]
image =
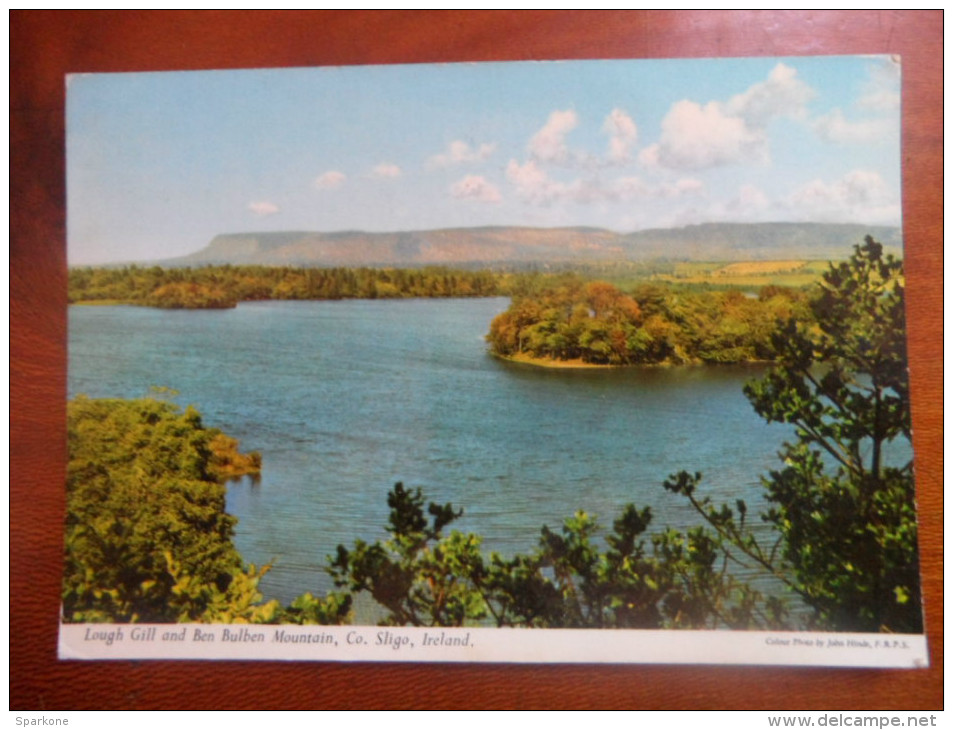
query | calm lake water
[345, 398]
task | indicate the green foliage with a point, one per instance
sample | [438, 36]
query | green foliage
[190, 295]
[421, 577]
[239, 602]
[335, 608]
[845, 517]
[147, 535]
[141, 498]
[222, 287]
[417, 574]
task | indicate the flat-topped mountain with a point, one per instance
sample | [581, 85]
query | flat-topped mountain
[517, 245]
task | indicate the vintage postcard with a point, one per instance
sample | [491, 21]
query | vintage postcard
[594, 361]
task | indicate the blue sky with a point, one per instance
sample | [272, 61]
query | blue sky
[159, 163]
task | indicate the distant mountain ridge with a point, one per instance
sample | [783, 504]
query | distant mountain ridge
[500, 245]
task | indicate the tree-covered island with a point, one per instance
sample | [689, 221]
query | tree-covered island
[573, 321]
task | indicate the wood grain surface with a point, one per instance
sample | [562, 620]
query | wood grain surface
[45, 45]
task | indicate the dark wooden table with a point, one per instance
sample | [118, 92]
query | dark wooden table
[45, 45]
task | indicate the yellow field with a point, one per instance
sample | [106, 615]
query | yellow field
[759, 268]
[789, 272]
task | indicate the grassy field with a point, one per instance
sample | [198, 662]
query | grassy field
[750, 275]
[746, 274]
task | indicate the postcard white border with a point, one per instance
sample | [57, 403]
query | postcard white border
[524, 646]
[489, 645]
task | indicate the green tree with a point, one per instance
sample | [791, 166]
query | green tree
[418, 575]
[843, 510]
[143, 505]
[147, 535]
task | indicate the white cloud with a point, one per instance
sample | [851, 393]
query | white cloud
[834, 127]
[649, 156]
[881, 92]
[860, 195]
[696, 136]
[386, 170]
[751, 198]
[476, 187]
[533, 184]
[459, 152]
[699, 137]
[549, 143]
[623, 135]
[329, 180]
[749, 204]
[263, 208]
[590, 190]
[685, 186]
[783, 94]
[880, 101]
[877, 106]
[632, 188]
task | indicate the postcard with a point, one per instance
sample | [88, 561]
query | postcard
[577, 362]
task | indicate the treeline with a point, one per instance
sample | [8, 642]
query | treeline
[597, 323]
[218, 287]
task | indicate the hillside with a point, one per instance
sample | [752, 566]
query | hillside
[515, 245]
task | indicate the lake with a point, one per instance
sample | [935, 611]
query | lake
[345, 398]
